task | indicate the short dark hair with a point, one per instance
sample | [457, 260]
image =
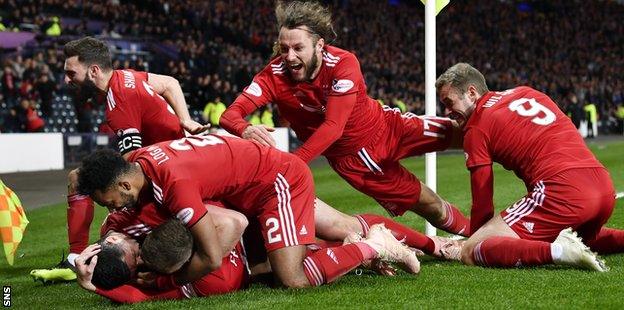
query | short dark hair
[100, 170]
[166, 246]
[90, 51]
[110, 271]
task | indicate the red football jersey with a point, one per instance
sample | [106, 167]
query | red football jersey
[136, 222]
[303, 105]
[187, 171]
[137, 114]
[524, 130]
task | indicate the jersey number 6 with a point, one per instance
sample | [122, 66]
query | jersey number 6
[535, 108]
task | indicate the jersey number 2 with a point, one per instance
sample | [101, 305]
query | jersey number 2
[273, 225]
[535, 108]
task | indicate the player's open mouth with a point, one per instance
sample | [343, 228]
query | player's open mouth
[296, 67]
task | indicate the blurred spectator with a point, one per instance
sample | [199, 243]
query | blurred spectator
[30, 120]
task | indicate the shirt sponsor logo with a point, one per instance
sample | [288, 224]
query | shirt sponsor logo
[185, 215]
[254, 89]
[342, 86]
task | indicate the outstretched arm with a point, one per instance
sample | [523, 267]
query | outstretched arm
[338, 111]
[233, 120]
[170, 89]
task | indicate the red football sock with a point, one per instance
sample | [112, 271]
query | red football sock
[511, 252]
[327, 265]
[410, 237]
[79, 218]
[608, 241]
[455, 221]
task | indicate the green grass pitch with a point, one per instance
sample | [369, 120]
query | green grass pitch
[440, 284]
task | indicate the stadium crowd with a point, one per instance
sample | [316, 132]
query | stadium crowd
[218, 49]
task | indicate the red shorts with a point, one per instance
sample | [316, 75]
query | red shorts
[579, 198]
[287, 216]
[232, 276]
[375, 169]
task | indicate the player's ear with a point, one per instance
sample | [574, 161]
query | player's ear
[125, 185]
[319, 45]
[472, 93]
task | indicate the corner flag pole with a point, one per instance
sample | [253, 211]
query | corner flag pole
[430, 94]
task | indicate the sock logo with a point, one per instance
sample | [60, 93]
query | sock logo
[332, 255]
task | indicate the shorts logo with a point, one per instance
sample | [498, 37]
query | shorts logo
[254, 89]
[185, 215]
[342, 86]
[303, 231]
[529, 226]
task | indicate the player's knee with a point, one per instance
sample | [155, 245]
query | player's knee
[295, 282]
[72, 181]
[467, 254]
[240, 222]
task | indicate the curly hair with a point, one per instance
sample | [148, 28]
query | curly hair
[311, 14]
[90, 51]
[100, 170]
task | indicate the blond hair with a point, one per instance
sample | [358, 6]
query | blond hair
[460, 76]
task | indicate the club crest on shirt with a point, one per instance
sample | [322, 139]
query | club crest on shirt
[254, 89]
[342, 86]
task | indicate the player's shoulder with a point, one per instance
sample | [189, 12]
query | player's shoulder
[332, 56]
[276, 68]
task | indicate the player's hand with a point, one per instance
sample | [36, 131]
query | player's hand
[147, 279]
[84, 271]
[259, 133]
[194, 127]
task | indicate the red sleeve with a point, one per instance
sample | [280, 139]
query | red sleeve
[338, 112]
[233, 119]
[131, 294]
[182, 198]
[257, 94]
[347, 81]
[476, 148]
[482, 187]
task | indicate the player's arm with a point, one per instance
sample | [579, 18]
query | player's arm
[208, 252]
[482, 187]
[170, 89]
[230, 226]
[339, 109]
[233, 119]
[130, 294]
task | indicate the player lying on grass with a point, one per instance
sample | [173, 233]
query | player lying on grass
[524, 130]
[119, 259]
[263, 183]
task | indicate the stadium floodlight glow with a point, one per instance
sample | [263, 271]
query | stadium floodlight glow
[430, 95]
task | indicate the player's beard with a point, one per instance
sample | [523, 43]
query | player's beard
[311, 67]
[85, 90]
[129, 201]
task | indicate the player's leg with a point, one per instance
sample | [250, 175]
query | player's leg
[79, 217]
[288, 225]
[333, 225]
[531, 232]
[80, 212]
[608, 241]
[441, 213]
[418, 135]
